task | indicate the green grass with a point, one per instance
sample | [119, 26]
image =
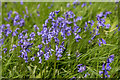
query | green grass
[92, 55]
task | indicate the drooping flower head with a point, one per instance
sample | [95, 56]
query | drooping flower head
[81, 68]
[106, 66]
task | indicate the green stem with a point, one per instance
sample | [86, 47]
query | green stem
[45, 71]
[54, 67]
[103, 74]
[41, 70]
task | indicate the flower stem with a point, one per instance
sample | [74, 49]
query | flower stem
[103, 74]
[54, 67]
[41, 70]
[45, 70]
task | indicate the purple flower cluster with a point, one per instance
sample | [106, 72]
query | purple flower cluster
[18, 21]
[26, 10]
[107, 68]
[50, 6]
[76, 2]
[38, 13]
[55, 29]
[60, 26]
[25, 44]
[5, 50]
[9, 16]
[59, 50]
[36, 27]
[86, 75]
[1, 42]
[81, 68]
[15, 32]
[68, 5]
[84, 4]
[24, 41]
[53, 35]
[101, 19]
[13, 47]
[40, 53]
[100, 23]
[21, 2]
[38, 6]
[6, 29]
[101, 41]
